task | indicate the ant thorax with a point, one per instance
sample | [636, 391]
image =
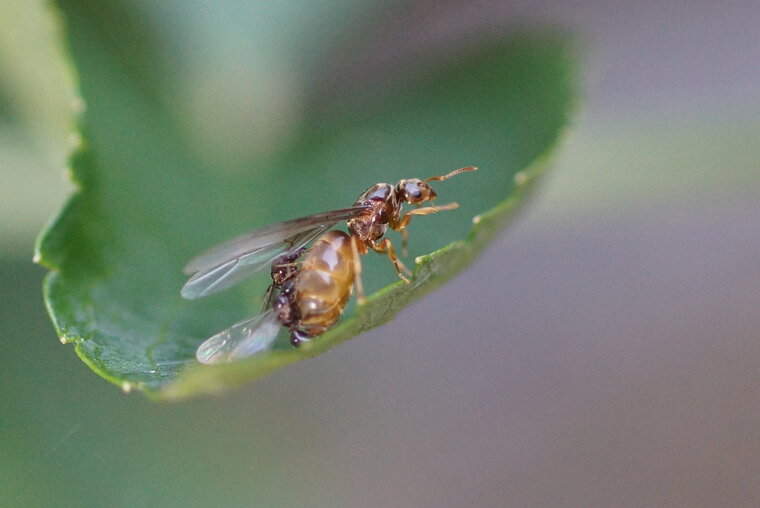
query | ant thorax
[383, 208]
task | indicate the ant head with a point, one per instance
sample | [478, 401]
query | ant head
[416, 191]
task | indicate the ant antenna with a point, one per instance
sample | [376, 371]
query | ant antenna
[453, 173]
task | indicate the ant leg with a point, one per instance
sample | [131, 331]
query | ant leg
[268, 298]
[298, 337]
[401, 227]
[404, 240]
[407, 217]
[357, 271]
[427, 210]
[387, 247]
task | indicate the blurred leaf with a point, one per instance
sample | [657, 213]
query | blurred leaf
[145, 205]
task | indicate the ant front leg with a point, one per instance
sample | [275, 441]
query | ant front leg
[407, 217]
[387, 247]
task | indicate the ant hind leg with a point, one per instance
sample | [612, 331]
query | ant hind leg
[298, 337]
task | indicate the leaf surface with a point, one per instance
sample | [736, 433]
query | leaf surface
[145, 204]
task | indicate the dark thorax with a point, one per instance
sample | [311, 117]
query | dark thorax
[383, 207]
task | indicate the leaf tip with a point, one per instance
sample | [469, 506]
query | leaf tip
[39, 257]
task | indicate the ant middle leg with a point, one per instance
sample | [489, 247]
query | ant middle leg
[404, 240]
[387, 247]
[357, 270]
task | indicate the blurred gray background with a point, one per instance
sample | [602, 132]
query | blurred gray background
[604, 352]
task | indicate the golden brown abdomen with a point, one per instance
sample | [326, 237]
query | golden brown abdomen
[324, 282]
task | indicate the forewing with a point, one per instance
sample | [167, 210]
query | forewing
[228, 274]
[243, 339]
[265, 237]
[227, 264]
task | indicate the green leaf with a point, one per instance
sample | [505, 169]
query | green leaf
[146, 202]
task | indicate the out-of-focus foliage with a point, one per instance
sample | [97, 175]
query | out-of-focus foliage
[36, 94]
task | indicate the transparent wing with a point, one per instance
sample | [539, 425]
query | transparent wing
[231, 272]
[227, 264]
[243, 339]
[265, 237]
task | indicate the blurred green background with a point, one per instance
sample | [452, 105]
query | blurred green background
[604, 352]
